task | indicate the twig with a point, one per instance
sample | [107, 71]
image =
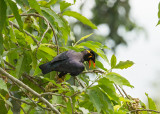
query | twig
[94, 71]
[148, 110]
[50, 93]
[125, 93]
[20, 100]
[71, 104]
[13, 79]
[10, 65]
[79, 82]
[34, 39]
[60, 105]
[118, 90]
[55, 37]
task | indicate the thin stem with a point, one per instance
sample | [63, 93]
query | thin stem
[148, 110]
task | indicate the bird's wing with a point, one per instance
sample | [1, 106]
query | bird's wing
[61, 57]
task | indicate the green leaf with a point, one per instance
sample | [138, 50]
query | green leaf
[64, 5]
[48, 50]
[100, 65]
[14, 9]
[100, 100]
[51, 2]
[151, 104]
[81, 18]
[3, 85]
[23, 64]
[84, 37]
[159, 10]
[3, 9]
[35, 5]
[2, 106]
[96, 47]
[124, 64]
[113, 61]
[118, 79]
[107, 86]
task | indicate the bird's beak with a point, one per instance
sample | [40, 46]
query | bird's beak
[90, 63]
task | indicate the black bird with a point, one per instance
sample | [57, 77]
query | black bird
[69, 62]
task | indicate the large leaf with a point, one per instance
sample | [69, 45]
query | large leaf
[151, 104]
[3, 8]
[113, 61]
[96, 47]
[100, 100]
[34, 5]
[48, 50]
[124, 64]
[108, 87]
[15, 11]
[23, 64]
[118, 79]
[2, 107]
[81, 18]
[100, 65]
[64, 5]
[3, 85]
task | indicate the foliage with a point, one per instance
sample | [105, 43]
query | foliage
[111, 16]
[32, 33]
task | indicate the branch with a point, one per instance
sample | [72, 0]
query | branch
[148, 110]
[80, 83]
[94, 71]
[9, 64]
[30, 90]
[20, 100]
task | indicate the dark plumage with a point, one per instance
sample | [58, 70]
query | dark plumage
[69, 62]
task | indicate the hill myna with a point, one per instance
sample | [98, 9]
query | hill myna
[69, 62]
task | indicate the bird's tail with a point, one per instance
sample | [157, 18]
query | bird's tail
[46, 68]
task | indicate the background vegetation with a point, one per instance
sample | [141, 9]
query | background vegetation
[33, 32]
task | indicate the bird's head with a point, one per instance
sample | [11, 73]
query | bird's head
[90, 57]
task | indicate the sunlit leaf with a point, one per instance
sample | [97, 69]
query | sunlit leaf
[34, 5]
[151, 104]
[3, 85]
[84, 37]
[118, 79]
[100, 65]
[64, 5]
[48, 50]
[124, 64]
[81, 18]
[15, 11]
[113, 61]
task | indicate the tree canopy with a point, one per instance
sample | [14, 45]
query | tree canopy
[32, 33]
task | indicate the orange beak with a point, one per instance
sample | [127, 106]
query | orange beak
[90, 63]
